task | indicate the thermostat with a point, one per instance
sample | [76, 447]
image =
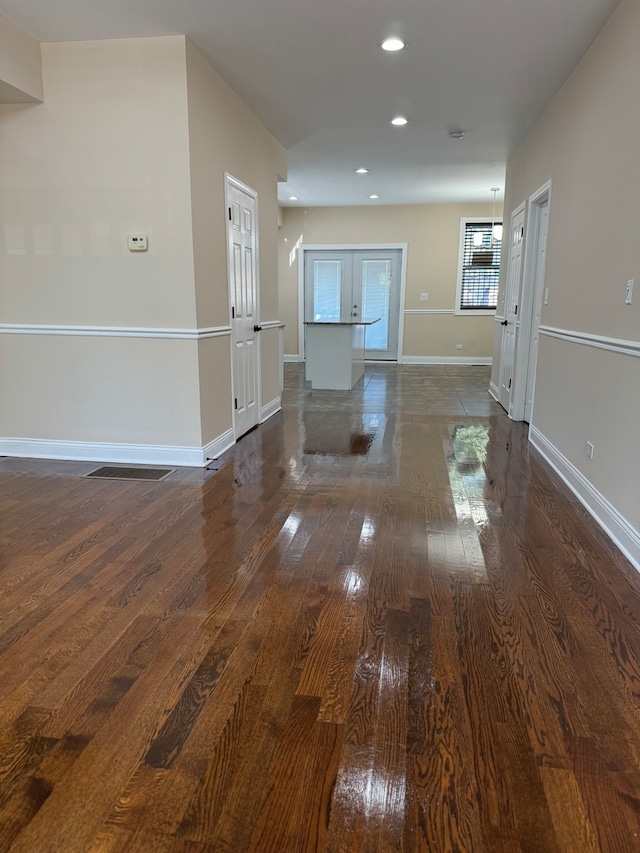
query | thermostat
[137, 242]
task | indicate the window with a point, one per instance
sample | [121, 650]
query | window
[327, 287]
[376, 301]
[478, 267]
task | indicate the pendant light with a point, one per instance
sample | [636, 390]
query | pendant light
[496, 229]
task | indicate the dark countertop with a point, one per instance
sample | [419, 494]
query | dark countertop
[341, 323]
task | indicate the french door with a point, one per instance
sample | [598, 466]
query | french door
[354, 286]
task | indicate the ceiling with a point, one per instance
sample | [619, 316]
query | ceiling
[314, 74]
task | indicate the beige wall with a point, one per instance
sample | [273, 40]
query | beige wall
[20, 66]
[106, 155]
[120, 146]
[432, 233]
[270, 355]
[214, 364]
[95, 162]
[99, 390]
[225, 136]
[586, 142]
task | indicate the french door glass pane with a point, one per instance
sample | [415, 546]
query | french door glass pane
[376, 298]
[327, 280]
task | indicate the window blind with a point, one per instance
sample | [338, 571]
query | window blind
[480, 267]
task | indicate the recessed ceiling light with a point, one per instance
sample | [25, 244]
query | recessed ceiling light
[294, 198]
[361, 171]
[456, 134]
[374, 196]
[399, 121]
[393, 43]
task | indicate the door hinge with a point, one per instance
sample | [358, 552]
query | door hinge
[235, 402]
[233, 313]
[516, 311]
[509, 384]
[229, 214]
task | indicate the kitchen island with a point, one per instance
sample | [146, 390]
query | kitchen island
[334, 354]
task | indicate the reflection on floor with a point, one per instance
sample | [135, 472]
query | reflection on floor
[410, 389]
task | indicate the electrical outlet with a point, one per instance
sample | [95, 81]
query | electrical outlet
[424, 297]
[590, 450]
[628, 299]
[459, 346]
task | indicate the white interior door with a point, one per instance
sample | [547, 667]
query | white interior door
[510, 322]
[538, 296]
[243, 296]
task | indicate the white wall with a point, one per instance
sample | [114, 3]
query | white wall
[586, 143]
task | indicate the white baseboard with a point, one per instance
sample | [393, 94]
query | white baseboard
[422, 359]
[270, 410]
[626, 537]
[494, 391]
[446, 359]
[140, 454]
[218, 446]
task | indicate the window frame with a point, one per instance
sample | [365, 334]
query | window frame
[471, 312]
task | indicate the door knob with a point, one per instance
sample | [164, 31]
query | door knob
[257, 328]
[504, 323]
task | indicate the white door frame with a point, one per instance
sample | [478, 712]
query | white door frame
[347, 247]
[512, 317]
[230, 181]
[532, 287]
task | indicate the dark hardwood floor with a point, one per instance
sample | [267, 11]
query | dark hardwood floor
[382, 624]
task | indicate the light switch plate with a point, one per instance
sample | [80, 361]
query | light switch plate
[628, 299]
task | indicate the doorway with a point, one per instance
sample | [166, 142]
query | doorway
[511, 320]
[534, 297]
[356, 284]
[242, 229]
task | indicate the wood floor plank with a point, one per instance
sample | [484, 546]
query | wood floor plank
[306, 762]
[191, 796]
[572, 826]
[604, 807]
[482, 676]
[386, 820]
[441, 787]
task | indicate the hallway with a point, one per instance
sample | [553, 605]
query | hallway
[379, 624]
